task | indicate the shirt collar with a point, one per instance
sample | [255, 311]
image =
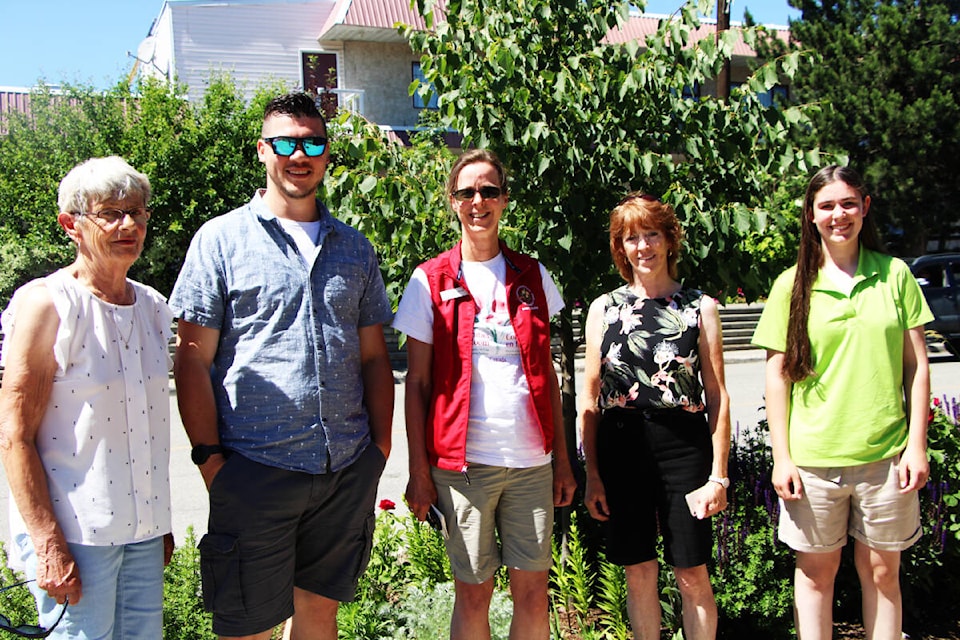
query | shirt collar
[868, 267]
[263, 212]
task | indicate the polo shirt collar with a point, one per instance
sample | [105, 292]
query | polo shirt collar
[868, 268]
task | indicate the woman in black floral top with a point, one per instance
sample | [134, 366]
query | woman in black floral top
[655, 420]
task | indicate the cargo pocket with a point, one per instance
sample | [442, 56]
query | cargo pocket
[368, 527]
[220, 574]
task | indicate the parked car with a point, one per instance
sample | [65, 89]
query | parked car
[939, 277]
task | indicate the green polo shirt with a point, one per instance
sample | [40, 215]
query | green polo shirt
[852, 411]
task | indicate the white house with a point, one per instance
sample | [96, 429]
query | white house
[255, 41]
[351, 48]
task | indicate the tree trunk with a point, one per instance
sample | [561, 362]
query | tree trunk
[568, 395]
[723, 78]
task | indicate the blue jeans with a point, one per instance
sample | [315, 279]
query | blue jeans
[122, 591]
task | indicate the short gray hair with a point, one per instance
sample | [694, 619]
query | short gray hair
[98, 180]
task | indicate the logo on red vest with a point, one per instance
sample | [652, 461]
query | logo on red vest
[525, 296]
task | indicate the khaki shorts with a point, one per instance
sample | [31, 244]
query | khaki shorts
[862, 501]
[517, 504]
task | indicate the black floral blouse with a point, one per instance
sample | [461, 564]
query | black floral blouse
[649, 353]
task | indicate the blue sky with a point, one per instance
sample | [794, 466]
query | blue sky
[764, 11]
[86, 41]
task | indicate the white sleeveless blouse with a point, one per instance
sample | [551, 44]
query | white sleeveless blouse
[105, 437]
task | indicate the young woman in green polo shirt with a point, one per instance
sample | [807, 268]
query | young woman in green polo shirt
[847, 390]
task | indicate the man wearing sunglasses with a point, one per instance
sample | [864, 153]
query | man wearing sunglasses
[285, 390]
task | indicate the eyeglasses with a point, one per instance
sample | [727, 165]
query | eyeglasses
[284, 146]
[140, 215]
[28, 630]
[486, 193]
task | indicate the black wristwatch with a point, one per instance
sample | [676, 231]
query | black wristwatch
[202, 452]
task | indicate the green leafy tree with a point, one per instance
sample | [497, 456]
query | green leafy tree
[393, 194]
[62, 128]
[201, 161]
[580, 121]
[888, 75]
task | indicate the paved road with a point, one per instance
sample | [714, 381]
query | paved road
[744, 372]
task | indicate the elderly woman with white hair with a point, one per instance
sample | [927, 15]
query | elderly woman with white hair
[84, 418]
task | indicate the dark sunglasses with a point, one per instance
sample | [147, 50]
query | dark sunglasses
[486, 193]
[312, 146]
[28, 630]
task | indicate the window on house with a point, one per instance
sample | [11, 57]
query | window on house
[777, 95]
[318, 70]
[692, 93]
[418, 102]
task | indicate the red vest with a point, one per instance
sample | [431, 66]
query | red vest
[453, 317]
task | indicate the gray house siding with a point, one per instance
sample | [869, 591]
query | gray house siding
[384, 72]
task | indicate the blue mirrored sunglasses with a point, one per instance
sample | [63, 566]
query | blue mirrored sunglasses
[312, 146]
[28, 630]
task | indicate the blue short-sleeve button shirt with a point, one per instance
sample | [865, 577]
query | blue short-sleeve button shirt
[286, 375]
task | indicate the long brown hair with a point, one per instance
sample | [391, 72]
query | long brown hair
[798, 361]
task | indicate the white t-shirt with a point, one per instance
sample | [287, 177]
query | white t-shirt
[304, 235]
[502, 428]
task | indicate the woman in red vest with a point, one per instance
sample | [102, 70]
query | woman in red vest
[483, 414]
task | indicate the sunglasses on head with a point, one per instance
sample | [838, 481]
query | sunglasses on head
[312, 146]
[28, 630]
[468, 194]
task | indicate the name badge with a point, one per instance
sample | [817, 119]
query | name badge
[450, 294]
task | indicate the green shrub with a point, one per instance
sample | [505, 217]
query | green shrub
[26, 259]
[17, 604]
[929, 568]
[426, 609]
[183, 614]
[753, 573]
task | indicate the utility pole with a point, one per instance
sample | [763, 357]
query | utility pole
[723, 23]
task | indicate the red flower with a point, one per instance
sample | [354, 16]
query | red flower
[388, 505]
[936, 402]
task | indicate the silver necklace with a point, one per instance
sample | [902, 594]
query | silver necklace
[122, 323]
